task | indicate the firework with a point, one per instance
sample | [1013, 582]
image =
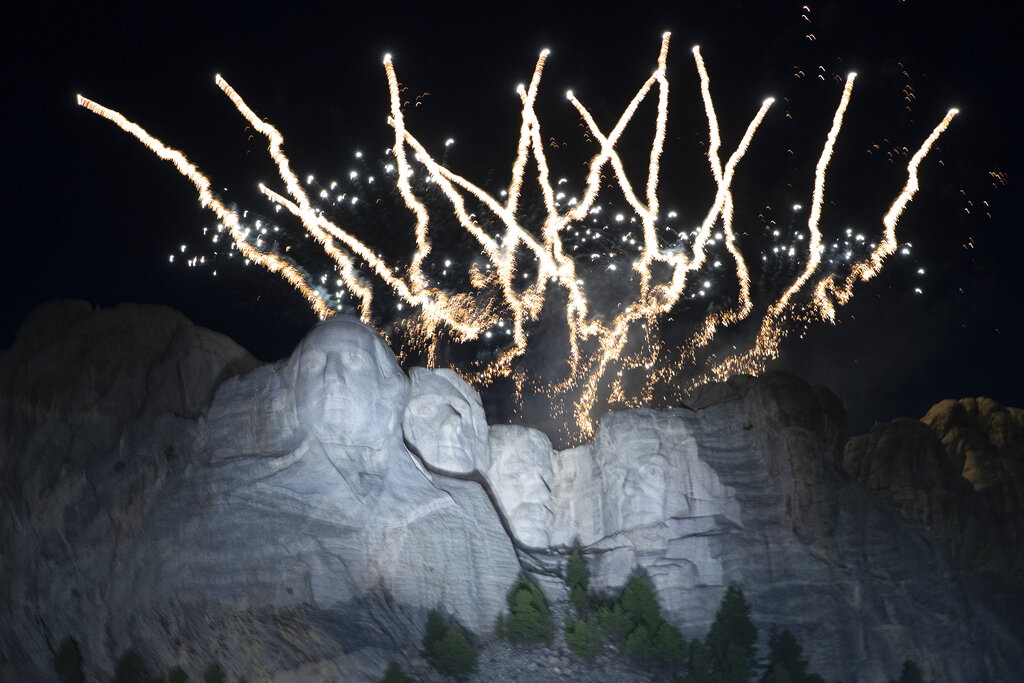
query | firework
[527, 262]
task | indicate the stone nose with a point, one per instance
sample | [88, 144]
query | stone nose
[633, 485]
[334, 372]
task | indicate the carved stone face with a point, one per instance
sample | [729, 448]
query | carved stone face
[638, 484]
[349, 389]
[519, 476]
[444, 422]
[644, 486]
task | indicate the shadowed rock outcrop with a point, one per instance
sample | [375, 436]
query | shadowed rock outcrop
[984, 441]
[164, 492]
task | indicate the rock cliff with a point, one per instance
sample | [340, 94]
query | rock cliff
[163, 491]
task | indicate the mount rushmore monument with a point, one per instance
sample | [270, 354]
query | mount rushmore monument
[163, 491]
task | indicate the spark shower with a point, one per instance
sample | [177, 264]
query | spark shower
[614, 355]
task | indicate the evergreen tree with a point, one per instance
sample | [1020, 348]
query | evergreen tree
[668, 647]
[577, 579]
[529, 620]
[640, 604]
[67, 661]
[699, 662]
[456, 656]
[911, 673]
[786, 661]
[130, 669]
[638, 646]
[447, 649]
[583, 637]
[435, 633]
[735, 666]
[177, 675]
[636, 622]
[615, 623]
[214, 674]
[394, 674]
[776, 674]
[732, 639]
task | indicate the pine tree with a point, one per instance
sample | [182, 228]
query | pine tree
[67, 661]
[394, 674]
[615, 623]
[456, 656]
[699, 662]
[911, 673]
[732, 639]
[435, 632]
[577, 579]
[529, 619]
[640, 604]
[447, 649]
[786, 661]
[583, 637]
[130, 669]
[668, 647]
[214, 674]
[733, 627]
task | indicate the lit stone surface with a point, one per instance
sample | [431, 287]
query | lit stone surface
[444, 422]
[166, 493]
[521, 477]
[640, 497]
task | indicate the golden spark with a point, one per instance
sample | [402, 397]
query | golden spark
[602, 345]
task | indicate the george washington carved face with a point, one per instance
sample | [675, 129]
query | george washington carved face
[349, 389]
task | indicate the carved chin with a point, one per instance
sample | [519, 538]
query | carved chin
[453, 460]
[530, 523]
[640, 512]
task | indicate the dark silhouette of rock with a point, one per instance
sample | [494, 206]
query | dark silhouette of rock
[904, 461]
[984, 441]
[960, 470]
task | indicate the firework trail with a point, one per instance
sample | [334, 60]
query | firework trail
[521, 267]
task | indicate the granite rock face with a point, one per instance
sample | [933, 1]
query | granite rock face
[984, 441]
[960, 471]
[163, 491]
[444, 422]
[904, 461]
[279, 525]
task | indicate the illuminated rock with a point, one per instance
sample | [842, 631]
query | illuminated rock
[521, 478]
[163, 492]
[382, 523]
[640, 498]
[903, 460]
[291, 504]
[444, 422]
[959, 469]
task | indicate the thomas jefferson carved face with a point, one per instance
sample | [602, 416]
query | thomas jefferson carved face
[444, 422]
[349, 389]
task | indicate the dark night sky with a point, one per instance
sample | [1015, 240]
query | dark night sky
[91, 214]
